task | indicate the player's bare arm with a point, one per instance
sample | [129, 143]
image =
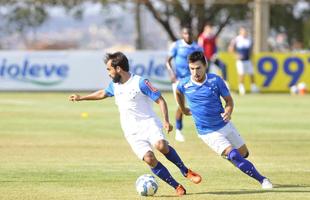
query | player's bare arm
[98, 95]
[232, 49]
[231, 46]
[229, 106]
[164, 110]
[200, 41]
[170, 70]
[181, 102]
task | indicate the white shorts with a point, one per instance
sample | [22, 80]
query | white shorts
[244, 67]
[219, 140]
[142, 141]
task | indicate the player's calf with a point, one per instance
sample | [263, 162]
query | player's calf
[244, 165]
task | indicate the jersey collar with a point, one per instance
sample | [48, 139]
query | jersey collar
[186, 44]
[130, 78]
[200, 83]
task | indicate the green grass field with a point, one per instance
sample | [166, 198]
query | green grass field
[48, 151]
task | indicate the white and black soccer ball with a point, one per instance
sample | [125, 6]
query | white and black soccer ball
[146, 185]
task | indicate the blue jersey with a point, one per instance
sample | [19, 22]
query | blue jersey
[204, 102]
[180, 51]
[244, 47]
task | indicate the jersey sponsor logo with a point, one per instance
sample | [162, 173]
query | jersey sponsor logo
[190, 91]
[187, 85]
[150, 86]
[211, 80]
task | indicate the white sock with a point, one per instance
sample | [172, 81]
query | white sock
[241, 89]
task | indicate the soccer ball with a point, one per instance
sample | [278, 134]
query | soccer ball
[146, 185]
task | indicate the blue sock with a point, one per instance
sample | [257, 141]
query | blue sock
[244, 165]
[163, 173]
[178, 124]
[173, 156]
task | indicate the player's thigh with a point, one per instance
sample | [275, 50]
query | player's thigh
[139, 145]
[240, 67]
[216, 141]
[158, 139]
[233, 136]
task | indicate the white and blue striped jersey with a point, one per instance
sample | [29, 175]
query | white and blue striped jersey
[204, 102]
[243, 46]
[134, 99]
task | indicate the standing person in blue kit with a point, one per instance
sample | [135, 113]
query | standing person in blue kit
[179, 51]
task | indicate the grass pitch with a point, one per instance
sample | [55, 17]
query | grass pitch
[49, 151]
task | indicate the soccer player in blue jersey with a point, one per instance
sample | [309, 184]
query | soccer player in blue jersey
[141, 126]
[242, 46]
[179, 51]
[203, 94]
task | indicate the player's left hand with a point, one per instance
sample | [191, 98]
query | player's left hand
[226, 116]
[168, 127]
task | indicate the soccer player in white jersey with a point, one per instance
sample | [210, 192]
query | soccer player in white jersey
[242, 46]
[203, 94]
[141, 126]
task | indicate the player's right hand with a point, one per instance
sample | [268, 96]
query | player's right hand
[186, 111]
[168, 127]
[74, 97]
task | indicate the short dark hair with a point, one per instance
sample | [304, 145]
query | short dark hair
[197, 56]
[208, 23]
[118, 59]
[187, 28]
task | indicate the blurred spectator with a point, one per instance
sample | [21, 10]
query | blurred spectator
[242, 47]
[297, 47]
[207, 40]
[280, 43]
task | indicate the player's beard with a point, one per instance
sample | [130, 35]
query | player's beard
[117, 78]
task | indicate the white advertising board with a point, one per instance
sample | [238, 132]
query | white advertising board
[73, 70]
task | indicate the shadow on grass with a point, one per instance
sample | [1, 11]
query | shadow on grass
[278, 188]
[290, 186]
[48, 181]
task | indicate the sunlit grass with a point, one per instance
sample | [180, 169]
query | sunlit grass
[48, 151]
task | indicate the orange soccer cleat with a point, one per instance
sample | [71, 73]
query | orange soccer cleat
[193, 176]
[180, 190]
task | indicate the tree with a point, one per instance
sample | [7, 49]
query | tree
[194, 14]
[170, 14]
[23, 16]
[283, 19]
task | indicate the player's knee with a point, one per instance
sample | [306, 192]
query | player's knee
[243, 150]
[162, 146]
[235, 157]
[150, 159]
[246, 154]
